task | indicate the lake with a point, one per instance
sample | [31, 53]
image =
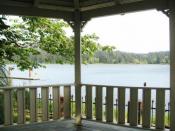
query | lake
[104, 74]
[109, 74]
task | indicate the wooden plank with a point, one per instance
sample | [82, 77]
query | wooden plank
[33, 109]
[20, 78]
[146, 113]
[160, 109]
[56, 102]
[121, 105]
[8, 107]
[109, 104]
[33, 11]
[78, 104]
[99, 104]
[44, 94]
[67, 103]
[89, 12]
[172, 63]
[133, 114]
[21, 105]
[77, 45]
[88, 102]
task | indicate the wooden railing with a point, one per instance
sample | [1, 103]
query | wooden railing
[104, 105]
[17, 97]
[111, 104]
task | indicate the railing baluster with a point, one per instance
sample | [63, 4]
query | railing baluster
[55, 105]
[146, 108]
[78, 101]
[133, 115]
[8, 107]
[121, 105]
[88, 102]
[99, 103]
[33, 111]
[160, 109]
[44, 94]
[21, 105]
[56, 102]
[67, 102]
[109, 104]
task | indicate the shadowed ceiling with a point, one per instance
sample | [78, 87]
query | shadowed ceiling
[88, 8]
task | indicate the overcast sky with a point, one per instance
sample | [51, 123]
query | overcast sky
[140, 32]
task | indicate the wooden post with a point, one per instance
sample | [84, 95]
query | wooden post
[88, 102]
[121, 105]
[139, 112]
[56, 102]
[77, 33]
[146, 108]
[160, 109]
[8, 111]
[33, 112]
[133, 118]
[67, 103]
[99, 103]
[44, 91]
[21, 105]
[172, 64]
[109, 104]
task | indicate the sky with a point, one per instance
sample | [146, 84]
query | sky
[141, 32]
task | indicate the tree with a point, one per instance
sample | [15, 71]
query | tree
[28, 38]
[48, 36]
[15, 47]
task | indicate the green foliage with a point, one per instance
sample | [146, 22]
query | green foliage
[33, 40]
[3, 76]
[15, 48]
[29, 41]
[89, 46]
[52, 41]
[117, 57]
[51, 36]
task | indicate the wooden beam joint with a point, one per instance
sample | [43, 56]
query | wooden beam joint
[72, 24]
[166, 12]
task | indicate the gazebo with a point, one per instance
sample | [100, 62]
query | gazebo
[77, 13]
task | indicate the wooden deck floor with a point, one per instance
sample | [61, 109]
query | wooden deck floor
[68, 125]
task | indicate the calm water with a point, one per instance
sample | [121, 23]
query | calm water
[124, 75]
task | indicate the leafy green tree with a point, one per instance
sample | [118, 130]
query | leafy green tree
[48, 36]
[28, 41]
[15, 47]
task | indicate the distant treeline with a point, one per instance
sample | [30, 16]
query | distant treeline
[114, 57]
[119, 57]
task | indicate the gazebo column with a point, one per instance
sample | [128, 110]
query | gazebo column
[172, 64]
[77, 35]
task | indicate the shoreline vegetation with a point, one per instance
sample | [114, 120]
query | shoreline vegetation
[112, 57]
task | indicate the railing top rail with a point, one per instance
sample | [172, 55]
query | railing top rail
[127, 87]
[71, 84]
[34, 86]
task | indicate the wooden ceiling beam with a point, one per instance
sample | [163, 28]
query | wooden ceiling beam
[92, 2]
[39, 4]
[76, 4]
[33, 11]
[55, 7]
[125, 8]
[57, 2]
[15, 3]
[102, 5]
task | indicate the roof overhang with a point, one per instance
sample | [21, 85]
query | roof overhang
[88, 8]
